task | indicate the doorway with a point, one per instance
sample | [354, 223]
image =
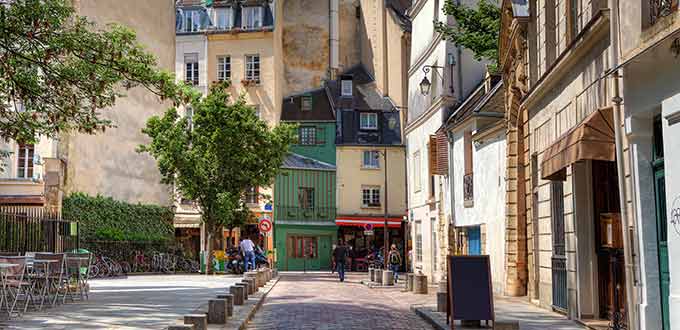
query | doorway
[609, 247]
[560, 294]
[661, 229]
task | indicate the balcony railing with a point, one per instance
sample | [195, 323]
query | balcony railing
[468, 189]
[296, 213]
[661, 8]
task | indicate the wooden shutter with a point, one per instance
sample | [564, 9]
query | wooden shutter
[432, 155]
[468, 152]
[442, 161]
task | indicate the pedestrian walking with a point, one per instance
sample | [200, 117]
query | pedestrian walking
[248, 248]
[339, 256]
[394, 260]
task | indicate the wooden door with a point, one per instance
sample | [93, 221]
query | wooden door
[661, 222]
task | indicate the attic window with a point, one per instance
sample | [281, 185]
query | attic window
[306, 103]
[346, 87]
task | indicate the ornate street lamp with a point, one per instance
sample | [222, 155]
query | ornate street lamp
[425, 84]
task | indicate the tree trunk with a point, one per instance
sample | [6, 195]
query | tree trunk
[208, 251]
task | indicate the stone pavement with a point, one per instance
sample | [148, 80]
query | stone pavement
[136, 302]
[317, 300]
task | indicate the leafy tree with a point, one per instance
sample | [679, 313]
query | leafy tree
[58, 71]
[476, 29]
[214, 158]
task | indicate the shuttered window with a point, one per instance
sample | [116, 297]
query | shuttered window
[467, 141]
[438, 154]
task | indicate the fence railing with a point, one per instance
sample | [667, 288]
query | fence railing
[468, 188]
[661, 8]
[24, 229]
[295, 213]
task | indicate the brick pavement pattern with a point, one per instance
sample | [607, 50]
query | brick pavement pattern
[319, 301]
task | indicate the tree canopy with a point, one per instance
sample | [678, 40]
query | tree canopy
[58, 71]
[213, 156]
[476, 28]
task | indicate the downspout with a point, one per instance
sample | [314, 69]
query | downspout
[623, 199]
[459, 64]
[334, 26]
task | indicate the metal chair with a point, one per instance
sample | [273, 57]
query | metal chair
[78, 270]
[16, 283]
[54, 275]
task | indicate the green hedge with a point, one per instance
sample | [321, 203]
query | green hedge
[103, 218]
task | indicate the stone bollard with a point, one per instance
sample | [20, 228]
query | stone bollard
[217, 311]
[245, 290]
[387, 277]
[409, 281]
[199, 321]
[251, 274]
[275, 273]
[378, 276]
[181, 327]
[230, 302]
[238, 292]
[268, 275]
[252, 288]
[371, 274]
[420, 284]
[441, 295]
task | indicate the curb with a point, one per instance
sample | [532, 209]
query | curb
[257, 306]
[426, 314]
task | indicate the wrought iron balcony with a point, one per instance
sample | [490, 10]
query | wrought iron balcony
[312, 214]
[468, 189]
[661, 8]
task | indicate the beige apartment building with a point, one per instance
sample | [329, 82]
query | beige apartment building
[106, 163]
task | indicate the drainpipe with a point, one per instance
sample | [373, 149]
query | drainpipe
[617, 100]
[333, 7]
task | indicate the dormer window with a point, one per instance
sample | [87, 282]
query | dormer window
[368, 120]
[191, 21]
[306, 104]
[346, 87]
[252, 17]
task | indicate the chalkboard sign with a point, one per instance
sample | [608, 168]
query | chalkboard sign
[470, 296]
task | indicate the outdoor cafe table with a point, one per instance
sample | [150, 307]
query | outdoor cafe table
[3, 294]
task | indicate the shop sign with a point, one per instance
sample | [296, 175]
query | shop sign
[368, 232]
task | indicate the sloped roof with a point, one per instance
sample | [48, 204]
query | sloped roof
[480, 102]
[298, 162]
[365, 96]
[291, 109]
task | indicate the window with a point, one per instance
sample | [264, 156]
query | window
[224, 68]
[253, 68]
[370, 197]
[252, 17]
[468, 179]
[368, 120]
[224, 18]
[435, 251]
[189, 114]
[306, 104]
[252, 195]
[302, 247]
[346, 87]
[306, 197]
[191, 21]
[419, 241]
[371, 159]
[25, 161]
[191, 69]
[416, 171]
[307, 135]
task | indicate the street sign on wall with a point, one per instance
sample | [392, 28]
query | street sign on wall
[265, 225]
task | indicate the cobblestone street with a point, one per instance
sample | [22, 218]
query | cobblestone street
[319, 301]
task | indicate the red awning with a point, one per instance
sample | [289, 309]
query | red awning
[360, 221]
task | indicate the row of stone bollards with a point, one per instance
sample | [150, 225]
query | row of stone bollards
[221, 308]
[416, 283]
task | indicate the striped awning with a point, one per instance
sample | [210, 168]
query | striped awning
[186, 221]
[362, 221]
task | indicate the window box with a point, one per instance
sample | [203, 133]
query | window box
[249, 83]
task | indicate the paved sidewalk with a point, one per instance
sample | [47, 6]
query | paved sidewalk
[136, 302]
[318, 300]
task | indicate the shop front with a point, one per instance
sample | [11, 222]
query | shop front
[365, 237]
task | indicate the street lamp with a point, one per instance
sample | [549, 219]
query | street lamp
[425, 84]
[386, 235]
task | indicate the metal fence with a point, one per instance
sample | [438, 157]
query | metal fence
[27, 229]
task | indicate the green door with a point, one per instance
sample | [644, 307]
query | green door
[325, 252]
[661, 223]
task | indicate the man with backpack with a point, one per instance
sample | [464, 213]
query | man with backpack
[394, 260]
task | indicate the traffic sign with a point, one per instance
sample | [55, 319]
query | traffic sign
[368, 227]
[368, 232]
[265, 225]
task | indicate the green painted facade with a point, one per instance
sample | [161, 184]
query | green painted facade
[324, 147]
[304, 230]
[315, 239]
